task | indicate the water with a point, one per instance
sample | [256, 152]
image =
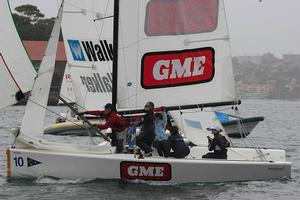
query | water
[280, 130]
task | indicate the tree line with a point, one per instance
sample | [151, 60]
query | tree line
[31, 23]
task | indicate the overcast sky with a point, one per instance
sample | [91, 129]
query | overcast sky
[255, 27]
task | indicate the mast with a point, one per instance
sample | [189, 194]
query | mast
[115, 53]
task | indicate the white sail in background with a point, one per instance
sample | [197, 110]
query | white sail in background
[67, 90]
[16, 71]
[33, 120]
[173, 53]
[88, 31]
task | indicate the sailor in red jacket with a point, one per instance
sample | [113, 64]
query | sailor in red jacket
[116, 123]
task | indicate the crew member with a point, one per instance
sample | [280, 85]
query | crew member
[117, 123]
[218, 144]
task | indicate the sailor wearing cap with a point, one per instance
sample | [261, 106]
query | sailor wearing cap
[218, 144]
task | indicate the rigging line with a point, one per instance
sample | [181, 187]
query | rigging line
[134, 43]
[10, 73]
[74, 102]
[102, 25]
[251, 141]
[41, 73]
[53, 112]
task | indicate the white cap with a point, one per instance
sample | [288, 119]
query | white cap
[214, 127]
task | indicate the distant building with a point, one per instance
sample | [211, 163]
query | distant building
[292, 59]
[248, 59]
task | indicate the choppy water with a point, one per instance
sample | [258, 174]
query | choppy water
[281, 130]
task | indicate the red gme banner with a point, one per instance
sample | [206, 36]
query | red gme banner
[146, 171]
[176, 68]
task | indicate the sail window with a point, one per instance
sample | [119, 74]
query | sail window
[179, 17]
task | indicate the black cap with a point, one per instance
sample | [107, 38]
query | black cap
[109, 106]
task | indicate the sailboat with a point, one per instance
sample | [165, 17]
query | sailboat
[16, 70]
[190, 34]
[238, 127]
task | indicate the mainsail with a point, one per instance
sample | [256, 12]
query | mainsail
[33, 120]
[87, 29]
[174, 53]
[16, 71]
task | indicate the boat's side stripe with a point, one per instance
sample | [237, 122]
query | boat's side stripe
[8, 163]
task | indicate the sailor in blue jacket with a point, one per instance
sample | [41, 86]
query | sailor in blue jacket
[160, 141]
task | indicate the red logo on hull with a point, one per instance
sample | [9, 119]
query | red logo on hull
[176, 68]
[146, 171]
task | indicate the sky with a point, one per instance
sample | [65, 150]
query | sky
[255, 27]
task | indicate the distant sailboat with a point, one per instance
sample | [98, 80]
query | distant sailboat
[200, 76]
[238, 127]
[16, 70]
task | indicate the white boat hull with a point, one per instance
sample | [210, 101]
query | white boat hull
[28, 163]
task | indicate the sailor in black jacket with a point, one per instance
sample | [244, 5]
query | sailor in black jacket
[147, 135]
[177, 144]
[218, 144]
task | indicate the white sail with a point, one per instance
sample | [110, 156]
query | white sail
[87, 29]
[33, 120]
[173, 53]
[16, 71]
[194, 123]
[67, 90]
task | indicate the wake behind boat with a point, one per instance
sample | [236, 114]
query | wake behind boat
[154, 34]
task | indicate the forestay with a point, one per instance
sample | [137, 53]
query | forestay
[87, 29]
[16, 71]
[173, 53]
[33, 120]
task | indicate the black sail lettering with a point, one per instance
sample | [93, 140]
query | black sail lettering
[110, 53]
[99, 52]
[109, 75]
[107, 84]
[104, 50]
[83, 81]
[90, 84]
[101, 82]
[89, 49]
[97, 84]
